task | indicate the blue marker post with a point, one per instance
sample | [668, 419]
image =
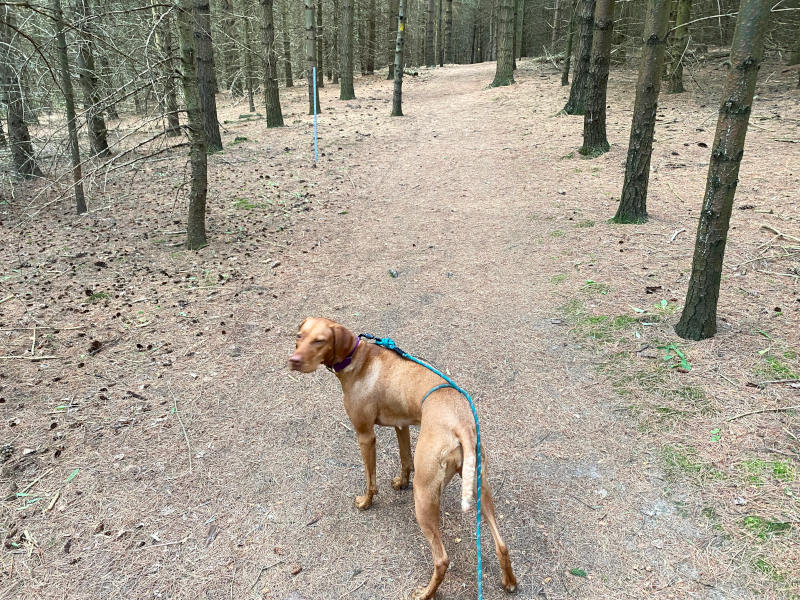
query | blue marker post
[314, 70]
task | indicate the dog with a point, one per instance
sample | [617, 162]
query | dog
[382, 388]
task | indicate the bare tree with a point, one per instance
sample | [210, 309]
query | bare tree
[19, 137]
[504, 73]
[430, 58]
[287, 49]
[397, 98]
[699, 318]
[633, 203]
[346, 91]
[594, 119]
[88, 80]
[196, 222]
[272, 99]
[580, 80]
[69, 100]
[394, 7]
[163, 31]
[311, 59]
[320, 45]
[568, 52]
[448, 44]
[206, 76]
[680, 46]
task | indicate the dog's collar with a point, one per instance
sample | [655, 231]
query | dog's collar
[346, 362]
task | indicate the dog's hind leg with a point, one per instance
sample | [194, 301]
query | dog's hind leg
[426, 505]
[487, 508]
[404, 444]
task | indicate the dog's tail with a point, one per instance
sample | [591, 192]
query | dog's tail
[468, 468]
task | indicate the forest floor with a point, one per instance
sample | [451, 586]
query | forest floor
[164, 450]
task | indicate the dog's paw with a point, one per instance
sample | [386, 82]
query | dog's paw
[510, 585]
[363, 502]
[420, 594]
[399, 483]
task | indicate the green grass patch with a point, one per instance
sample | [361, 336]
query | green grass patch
[595, 287]
[557, 233]
[604, 328]
[775, 368]
[560, 278]
[247, 204]
[765, 529]
[684, 461]
[584, 224]
[96, 297]
[757, 471]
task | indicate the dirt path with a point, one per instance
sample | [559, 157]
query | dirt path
[477, 202]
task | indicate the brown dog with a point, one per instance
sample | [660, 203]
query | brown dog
[382, 388]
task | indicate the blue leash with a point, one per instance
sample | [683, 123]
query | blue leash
[389, 344]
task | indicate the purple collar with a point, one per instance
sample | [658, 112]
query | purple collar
[346, 362]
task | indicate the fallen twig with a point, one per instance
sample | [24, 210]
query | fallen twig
[676, 234]
[43, 327]
[185, 435]
[764, 410]
[674, 192]
[261, 572]
[7, 298]
[34, 358]
[779, 233]
[168, 543]
[764, 384]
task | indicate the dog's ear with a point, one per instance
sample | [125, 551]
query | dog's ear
[342, 343]
[303, 322]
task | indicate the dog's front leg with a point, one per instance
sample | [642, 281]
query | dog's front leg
[366, 440]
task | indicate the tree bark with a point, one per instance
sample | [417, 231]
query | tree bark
[110, 88]
[346, 91]
[397, 98]
[18, 135]
[371, 33]
[394, 8]
[230, 54]
[504, 73]
[205, 74]
[287, 49]
[580, 80]
[594, 119]
[272, 100]
[439, 39]
[568, 53]
[163, 34]
[514, 22]
[311, 59]
[633, 203]
[430, 58]
[679, 47]
[320, 46]
[336, 33]
[196, 222]
[699, 318]
[556, 25]
[87, 76]
[448, 33]
[69, 100]
[248, 66]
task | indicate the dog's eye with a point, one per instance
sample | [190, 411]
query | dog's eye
[319, 341]
[299, 335]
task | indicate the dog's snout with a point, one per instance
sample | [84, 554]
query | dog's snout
[294, 362]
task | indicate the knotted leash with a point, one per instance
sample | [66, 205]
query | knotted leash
[389, 344]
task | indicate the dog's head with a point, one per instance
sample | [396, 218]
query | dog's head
[320, 342]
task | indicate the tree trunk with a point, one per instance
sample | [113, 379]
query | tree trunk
[320, 46]
[568, 53]
[230, 54]
[519, 30]
[362, 37]
[336, 33]
[794, 55]
[580, 80]
[556, 25]
[205, 74]
[196, 223]
[371, 33]
[69, 100]
[448, 33]
[515, 17]
[397, 99]
[287, 50]
[163, 34]
[680, 46]
[89, 84]
[346, 91]
[439, 39]
[311, 59]
[272, 100]
[248, 66]
[110, 88]
[394, 8]
[430, 58]
[633, 204]
[18, 135]
[594, 120]
[699, 318]
[504, 73]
